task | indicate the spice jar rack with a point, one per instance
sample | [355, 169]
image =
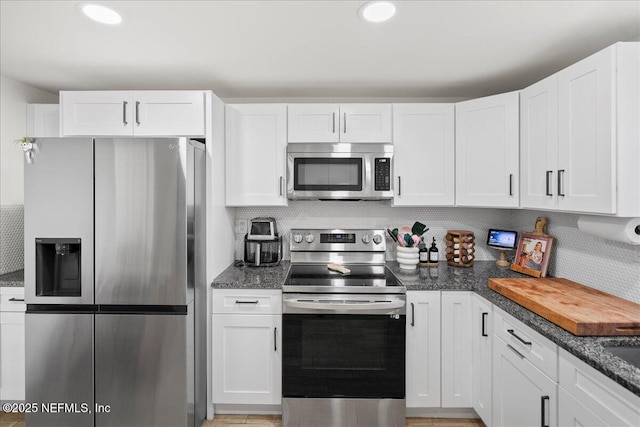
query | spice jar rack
[460, 250]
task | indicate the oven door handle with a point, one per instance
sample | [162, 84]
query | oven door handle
[342, 306]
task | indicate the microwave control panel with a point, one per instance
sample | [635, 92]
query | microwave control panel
[382, 174]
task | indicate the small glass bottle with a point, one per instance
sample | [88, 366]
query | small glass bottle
[424, 252]
[433, 252]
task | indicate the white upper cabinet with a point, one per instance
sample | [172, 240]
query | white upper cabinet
[314, 123]
[579, 136]
[43, 120]
[424, 149]
[487, 159]
[256, 141]
[539, 144]
[132, 113]
[586, 158]
[339, 123]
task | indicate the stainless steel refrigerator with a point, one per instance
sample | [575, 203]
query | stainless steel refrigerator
[115, 282]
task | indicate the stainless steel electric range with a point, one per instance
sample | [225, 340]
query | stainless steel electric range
[343, 334]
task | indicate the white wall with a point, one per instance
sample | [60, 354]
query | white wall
[14, 97]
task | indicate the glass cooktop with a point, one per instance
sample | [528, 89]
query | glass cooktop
[317, 278]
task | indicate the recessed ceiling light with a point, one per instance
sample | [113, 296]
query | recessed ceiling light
[101, 14]
[377, 11]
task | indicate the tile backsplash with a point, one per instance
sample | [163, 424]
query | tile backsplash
[612, 267]
[379, 214]
[11, 238]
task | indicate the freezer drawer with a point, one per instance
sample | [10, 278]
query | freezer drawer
[59, 369]
[141, 369]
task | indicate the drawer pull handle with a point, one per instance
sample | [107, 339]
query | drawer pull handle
[516, 351]
[413, 315]
[484, 324]
[543, 411]
[246, 302]
[518, 338]
[16, 299]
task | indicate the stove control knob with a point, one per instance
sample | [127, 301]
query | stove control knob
[377, 239]
[309, 238]
[366, 238]
[297, 237]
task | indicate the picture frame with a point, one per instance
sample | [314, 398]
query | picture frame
[533, 254]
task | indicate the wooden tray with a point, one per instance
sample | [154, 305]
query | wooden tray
[581, 310]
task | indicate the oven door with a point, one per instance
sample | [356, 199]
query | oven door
[343, 346]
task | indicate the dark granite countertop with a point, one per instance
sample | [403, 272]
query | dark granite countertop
[15, 279]
[475, 278]
[252, 277]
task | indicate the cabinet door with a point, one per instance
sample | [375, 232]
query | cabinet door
[256, 139]
[522, 394]
[247, 359]
[586, 162]
[43, 120]
[481, 353]
[313, 123]
[96, 113]
[609, 403]
[168, 113]
[12, 355]
[487, 160]
[423, 139]
[423, 349]
[456, 350]
[365, 123]
[573, 413]
[539, 144]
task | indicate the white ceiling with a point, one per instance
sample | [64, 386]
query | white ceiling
[253, 49]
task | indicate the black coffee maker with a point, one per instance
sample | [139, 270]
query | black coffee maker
[262, 244]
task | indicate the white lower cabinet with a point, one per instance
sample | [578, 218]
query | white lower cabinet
[481, 351]
[522, 394]
[423, 349]
[456, 349]
[12, 344]
[247, 347]
[588, 398]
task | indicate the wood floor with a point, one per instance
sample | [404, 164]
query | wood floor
[275, 421]
[17, 420]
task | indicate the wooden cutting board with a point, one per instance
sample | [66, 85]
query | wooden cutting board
[577, 308]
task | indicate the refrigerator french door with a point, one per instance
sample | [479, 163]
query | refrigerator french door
[120, 287]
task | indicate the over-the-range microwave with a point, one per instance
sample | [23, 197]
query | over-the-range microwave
[324, 171]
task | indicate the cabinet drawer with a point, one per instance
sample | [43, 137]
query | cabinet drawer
[12, 299]
[247, 301]
[541, 352]
[606, 398]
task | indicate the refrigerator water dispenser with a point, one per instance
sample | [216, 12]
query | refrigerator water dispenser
[58, 267]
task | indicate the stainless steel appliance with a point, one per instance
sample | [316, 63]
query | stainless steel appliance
[343, 335]
[339, 171]
[262, 244]
[115, 282]
[262, 252]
